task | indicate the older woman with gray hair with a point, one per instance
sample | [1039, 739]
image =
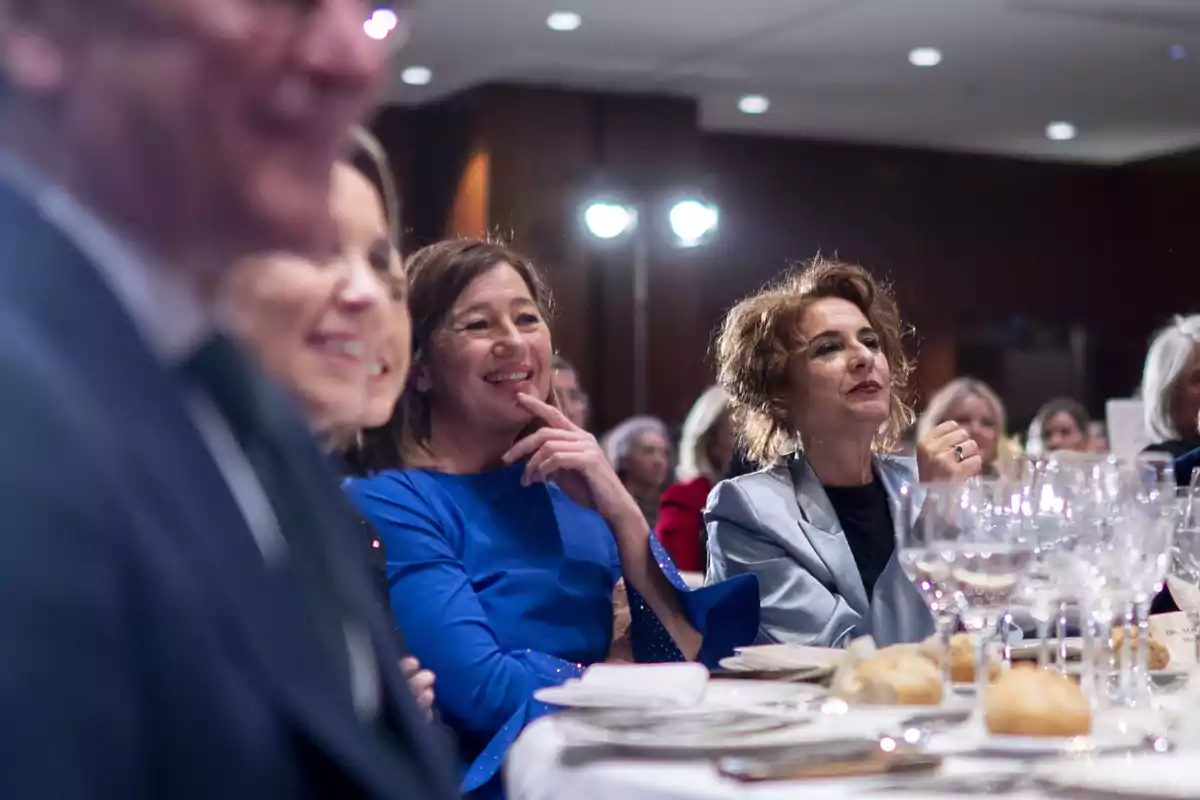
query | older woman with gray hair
[705, 453]
[640, 451]
[1171, 387]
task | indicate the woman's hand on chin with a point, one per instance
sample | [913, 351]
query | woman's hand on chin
[571, 457]
[947, 454]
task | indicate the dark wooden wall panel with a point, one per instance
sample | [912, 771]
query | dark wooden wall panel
[981, 250]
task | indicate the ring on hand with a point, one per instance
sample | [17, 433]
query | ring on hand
[958, 451]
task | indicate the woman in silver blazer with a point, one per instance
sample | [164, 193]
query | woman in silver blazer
[817, 373]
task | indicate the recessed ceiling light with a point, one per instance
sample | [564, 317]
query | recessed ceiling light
[564, 21]
[1060, 131]
[417, 76]
[1178, 52]
[924, 56]
[754, 104]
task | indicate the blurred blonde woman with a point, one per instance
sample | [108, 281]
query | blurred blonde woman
[705, 453]
[336, 334]
[978, 410]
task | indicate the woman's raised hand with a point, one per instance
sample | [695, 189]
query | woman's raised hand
[571, 457]
[947, 454]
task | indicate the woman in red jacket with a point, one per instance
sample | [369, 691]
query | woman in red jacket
[705, 451]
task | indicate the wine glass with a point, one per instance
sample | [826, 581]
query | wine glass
[919, 557]
[1185, 564]
[1153, 495]
[971, 547]
[1125, 529]
[1048, 505]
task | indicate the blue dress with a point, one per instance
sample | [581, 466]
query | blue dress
[502, 589]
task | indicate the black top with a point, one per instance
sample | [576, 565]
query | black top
[867, 520]
[1174, 448]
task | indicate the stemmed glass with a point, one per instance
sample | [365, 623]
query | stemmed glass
[1154, 515]
[970, 548]
[1048, 527]
[919, 557]
[1185, 564]
[1125, 524]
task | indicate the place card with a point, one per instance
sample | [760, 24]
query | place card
[1176, 632]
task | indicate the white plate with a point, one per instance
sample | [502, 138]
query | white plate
[1160, 677]
[736, 693]
[808, 673]
[725, 693]
[776, 731]
[789, 656]
[965, 740]
[1168, 777]
[1027, 650]
[574, 696]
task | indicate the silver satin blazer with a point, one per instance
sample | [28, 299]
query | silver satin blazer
[779, 525]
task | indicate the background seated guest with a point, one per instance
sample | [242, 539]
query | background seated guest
[1171, 387]
[1061, 424]
[571, 397]
[705, 453]
[816, 369]
[291, 312]
[978, 410]
[507, 528]
[639, 449]
[1186, 465]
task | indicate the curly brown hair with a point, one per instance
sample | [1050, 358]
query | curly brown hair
[760, 340]
[437, 276]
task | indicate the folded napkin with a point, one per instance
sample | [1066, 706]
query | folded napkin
[640, 685]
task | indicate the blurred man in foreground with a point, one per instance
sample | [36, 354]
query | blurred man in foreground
[183, 610]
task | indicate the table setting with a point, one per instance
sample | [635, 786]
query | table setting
[969, 711]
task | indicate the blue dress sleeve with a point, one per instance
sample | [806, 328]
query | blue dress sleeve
[725, 614]
[482, 688]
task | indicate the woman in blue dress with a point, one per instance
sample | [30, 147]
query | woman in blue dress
[505, 527]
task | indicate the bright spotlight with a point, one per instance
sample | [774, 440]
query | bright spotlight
[381, 23]
[564, 21]
[609, 220]
[417, 76]
[754, 104]
[924, 56]
[693, 222]
[1060, 131]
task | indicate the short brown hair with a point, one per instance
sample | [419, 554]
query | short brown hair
[437, 276]
[760, 340]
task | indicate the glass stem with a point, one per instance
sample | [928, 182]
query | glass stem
[980, 639]
[1062, 635]
[945, 624]
[1141, 676]
[1125, 674]
[1194, 623]
[1043, 634]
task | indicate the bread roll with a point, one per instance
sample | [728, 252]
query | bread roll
[1159, 655]
[962, 658]
[893, 676]
[1027, 701]
[962, 661]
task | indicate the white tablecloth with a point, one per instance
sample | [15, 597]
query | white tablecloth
[535, 771]
[540, 766]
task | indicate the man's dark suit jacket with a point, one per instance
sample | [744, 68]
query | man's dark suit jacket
[146, 648]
